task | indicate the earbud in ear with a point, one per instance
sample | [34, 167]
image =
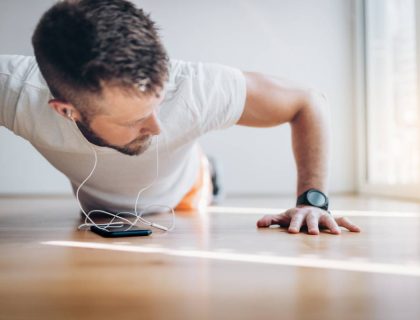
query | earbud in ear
[69, 114]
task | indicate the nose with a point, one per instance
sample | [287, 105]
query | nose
[152, 125]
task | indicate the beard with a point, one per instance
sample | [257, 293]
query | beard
[133, 148]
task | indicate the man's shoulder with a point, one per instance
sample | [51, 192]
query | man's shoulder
[179, 67]
[24, 95]
[201, 69]
[9, 62]
[16, 65]
[22, 69]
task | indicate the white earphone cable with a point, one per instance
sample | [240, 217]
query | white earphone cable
[117, 216]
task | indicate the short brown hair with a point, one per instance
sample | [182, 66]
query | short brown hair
[81, 44]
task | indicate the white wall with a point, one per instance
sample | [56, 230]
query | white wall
[301, 40]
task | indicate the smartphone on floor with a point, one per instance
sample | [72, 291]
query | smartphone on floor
[121, 231]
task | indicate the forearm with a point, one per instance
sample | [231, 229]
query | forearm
[311, 144]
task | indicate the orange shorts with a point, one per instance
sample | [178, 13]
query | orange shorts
[201, 193]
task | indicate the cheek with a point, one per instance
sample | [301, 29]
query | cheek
[119, 135]
[125, 135]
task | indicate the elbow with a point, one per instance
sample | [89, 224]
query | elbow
[314, 103]
[318, 101]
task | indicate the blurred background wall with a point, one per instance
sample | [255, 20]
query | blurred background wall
[308, 42]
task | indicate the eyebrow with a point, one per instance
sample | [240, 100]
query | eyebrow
[138, 120]
[135, 121]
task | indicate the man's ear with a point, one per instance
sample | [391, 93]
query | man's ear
[65, 109]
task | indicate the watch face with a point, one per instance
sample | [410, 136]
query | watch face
[316, 199]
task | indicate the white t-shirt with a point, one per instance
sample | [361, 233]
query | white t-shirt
[200, 97]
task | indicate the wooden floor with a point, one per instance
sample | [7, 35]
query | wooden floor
[214, 265]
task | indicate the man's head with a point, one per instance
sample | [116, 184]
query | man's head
[104, 62]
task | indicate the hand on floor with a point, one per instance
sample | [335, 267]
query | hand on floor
[314, 218]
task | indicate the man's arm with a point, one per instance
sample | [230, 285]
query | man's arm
[311, 143]
[271, 102]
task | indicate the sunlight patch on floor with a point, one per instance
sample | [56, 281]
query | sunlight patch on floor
[298, 261]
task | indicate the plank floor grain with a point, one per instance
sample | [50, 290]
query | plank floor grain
[214, 265]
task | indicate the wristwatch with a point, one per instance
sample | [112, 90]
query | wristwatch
[314, 198]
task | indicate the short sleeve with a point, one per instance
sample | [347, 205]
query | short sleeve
[8, 98]
[220, 92]
[24, 97]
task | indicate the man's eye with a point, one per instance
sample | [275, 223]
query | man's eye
[133, 124]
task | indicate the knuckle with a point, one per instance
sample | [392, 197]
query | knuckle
[341, 220]
[312, 215]
[298, 215]
[312, 221]
[305, 212]
[325, 214]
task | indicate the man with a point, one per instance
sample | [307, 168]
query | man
[101, 65]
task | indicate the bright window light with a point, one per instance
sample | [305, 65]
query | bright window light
[393, 117]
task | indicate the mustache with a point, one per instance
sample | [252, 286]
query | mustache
[140, 139]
